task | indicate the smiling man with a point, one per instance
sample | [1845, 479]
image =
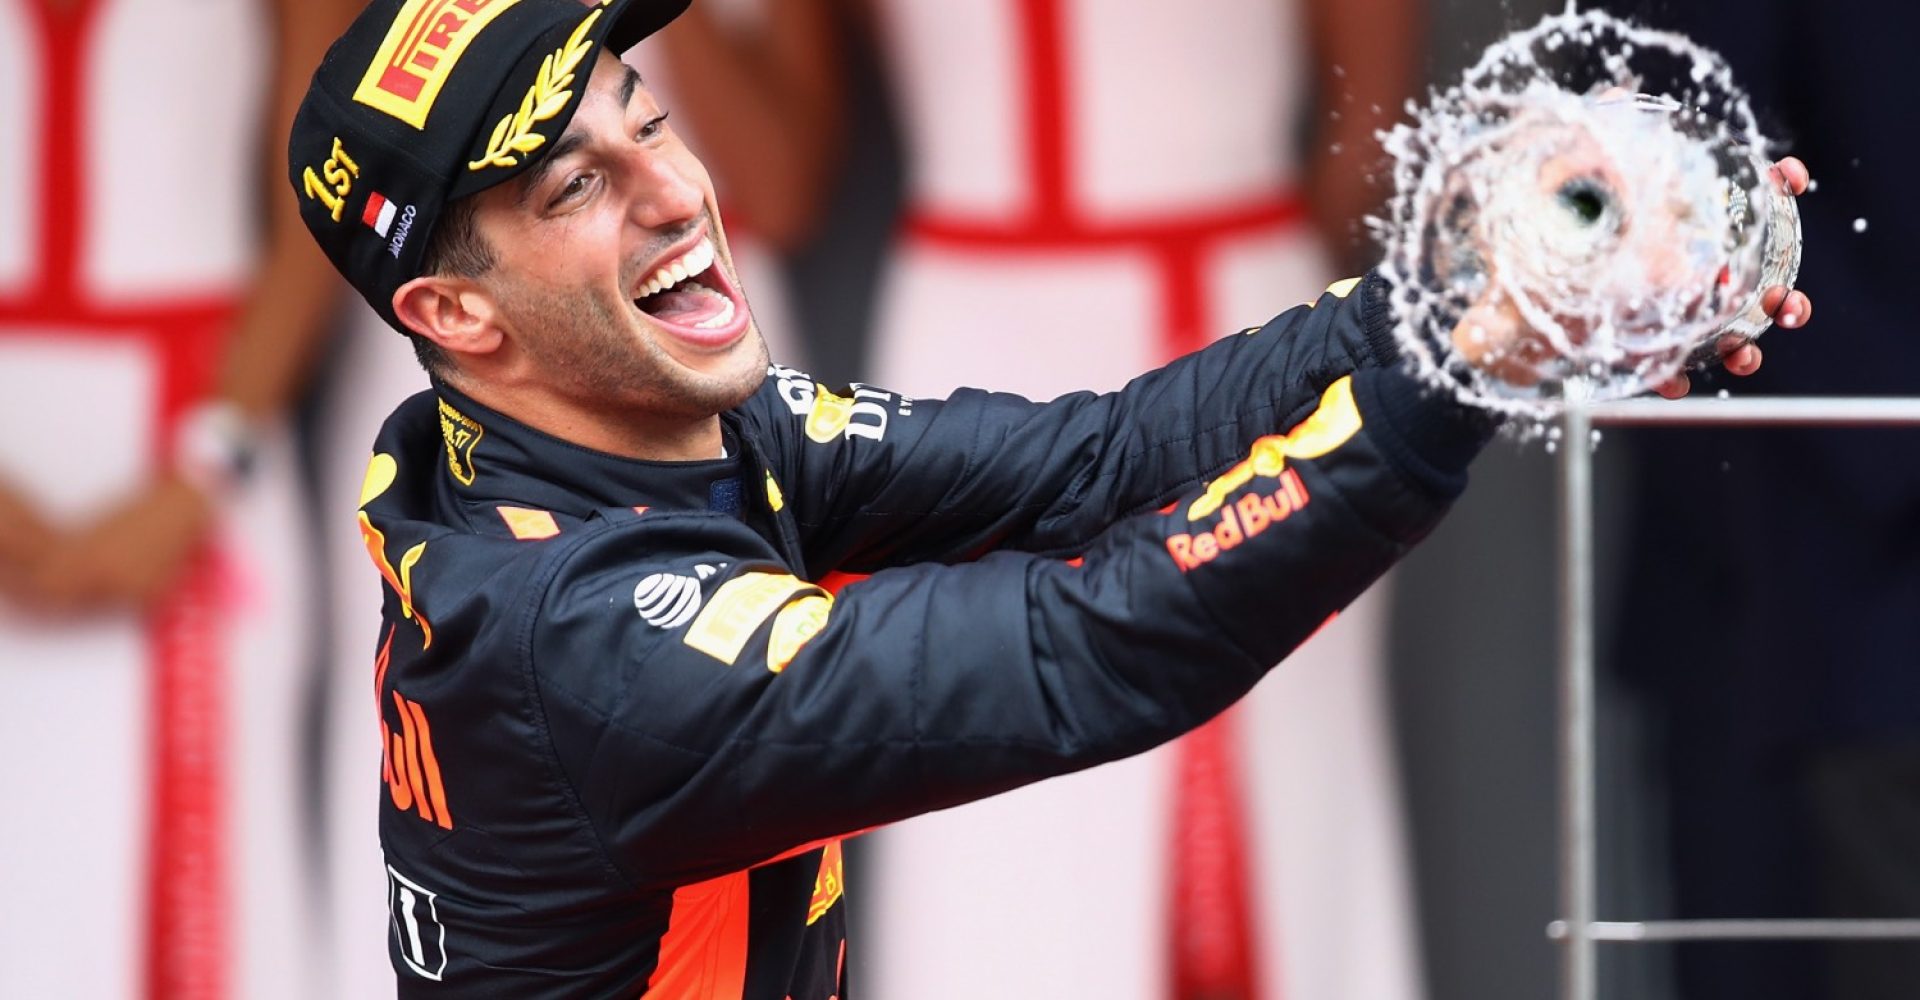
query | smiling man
[663, 623]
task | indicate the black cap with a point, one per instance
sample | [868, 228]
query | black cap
[425, 101]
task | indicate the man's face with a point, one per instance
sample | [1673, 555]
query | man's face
[612, 274]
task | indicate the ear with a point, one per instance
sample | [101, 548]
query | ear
[454, 313]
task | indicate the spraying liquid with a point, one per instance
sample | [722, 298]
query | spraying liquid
[1559, 233]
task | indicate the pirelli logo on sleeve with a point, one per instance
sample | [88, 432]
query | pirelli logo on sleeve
[425, 43]
[737, 609]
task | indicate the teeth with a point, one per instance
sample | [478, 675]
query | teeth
[724, 317]
[691, 264]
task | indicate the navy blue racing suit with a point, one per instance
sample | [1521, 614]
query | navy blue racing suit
[628, 708]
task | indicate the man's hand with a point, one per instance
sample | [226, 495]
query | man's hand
[1493, 336]
[126, 558]
[1789, 308]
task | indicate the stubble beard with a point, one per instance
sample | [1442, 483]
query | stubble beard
[593, 350]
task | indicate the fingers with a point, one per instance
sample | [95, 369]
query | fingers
[1794, 173]
[1675, 387]
[1739, 357]
[1795, 310]
[1790, 309]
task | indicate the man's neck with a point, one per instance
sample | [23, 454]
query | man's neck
[648, 438]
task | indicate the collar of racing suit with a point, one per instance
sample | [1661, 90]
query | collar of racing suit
[492, 458]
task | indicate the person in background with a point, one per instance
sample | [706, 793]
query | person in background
[1081, 204]
[1790, 744]
[156, 322]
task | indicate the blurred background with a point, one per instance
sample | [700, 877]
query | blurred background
[1031, 195]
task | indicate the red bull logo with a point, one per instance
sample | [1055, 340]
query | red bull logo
[409, 766]
[1240, 520]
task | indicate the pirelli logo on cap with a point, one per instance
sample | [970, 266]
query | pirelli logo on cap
[425, 43]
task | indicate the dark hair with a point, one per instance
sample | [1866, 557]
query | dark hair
[455, 248]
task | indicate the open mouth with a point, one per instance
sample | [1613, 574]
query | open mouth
[692, 297]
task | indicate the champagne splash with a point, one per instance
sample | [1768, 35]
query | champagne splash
[1551, 188]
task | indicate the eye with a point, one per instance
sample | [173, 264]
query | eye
[575, 188]
[653, 127]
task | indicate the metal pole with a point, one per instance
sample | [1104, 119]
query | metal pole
[1579, 966]
[1578, 931]
[1762, 411]
[1746, 930]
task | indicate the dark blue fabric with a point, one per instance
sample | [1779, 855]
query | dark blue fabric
[723, 496]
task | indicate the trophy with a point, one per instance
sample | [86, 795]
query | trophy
[1558, 233]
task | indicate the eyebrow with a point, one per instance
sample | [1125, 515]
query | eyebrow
[628, 84]
[572, 140]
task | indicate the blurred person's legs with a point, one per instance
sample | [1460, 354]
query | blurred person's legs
[153, 759]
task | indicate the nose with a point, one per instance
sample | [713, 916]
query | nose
[666, 188]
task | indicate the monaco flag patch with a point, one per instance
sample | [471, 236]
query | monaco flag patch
[379, 213]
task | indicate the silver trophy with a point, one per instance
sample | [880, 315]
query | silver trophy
[1556, 234]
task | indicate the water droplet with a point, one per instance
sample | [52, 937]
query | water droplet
[1859, 225]
[1723, 394]
[1812, 185]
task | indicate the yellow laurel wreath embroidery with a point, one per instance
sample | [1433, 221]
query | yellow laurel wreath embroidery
[548, 96]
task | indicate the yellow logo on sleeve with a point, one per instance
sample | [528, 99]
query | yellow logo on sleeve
[1335, 421]
[737, 609]
[426, 41]
[830, 415]
[794, 627]
[829, 885]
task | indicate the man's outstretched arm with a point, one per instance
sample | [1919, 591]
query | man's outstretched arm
[778, 716]
[880, 481]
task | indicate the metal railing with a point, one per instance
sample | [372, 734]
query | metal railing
[1579, 931]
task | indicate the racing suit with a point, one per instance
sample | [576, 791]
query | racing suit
[628, 707]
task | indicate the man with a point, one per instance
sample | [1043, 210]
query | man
[625, 723]
[378, 372]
